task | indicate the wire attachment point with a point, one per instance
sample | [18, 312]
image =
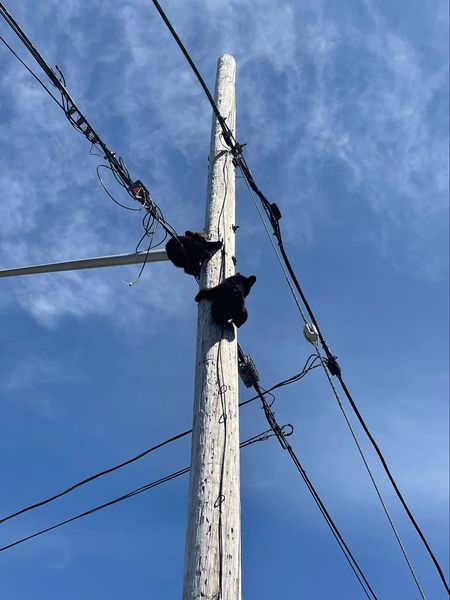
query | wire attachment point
[333, 365]
[287, 429]
[139, 191]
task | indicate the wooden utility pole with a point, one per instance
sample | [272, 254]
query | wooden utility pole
[213, 539]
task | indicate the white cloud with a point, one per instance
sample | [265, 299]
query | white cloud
[33, 369]
[314, 90]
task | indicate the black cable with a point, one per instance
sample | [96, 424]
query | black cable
[372, 479]
[108, 192]
[72, 109]
[336, 371]
[258, 438]
[394, 484]
[117, 167]
[132, 459]
[292, 379]
[100, 507]
[286, 446]
[306, 369]
[273, 214]
[24, 39]
[41, 83]
[228, 136]
[144, 264]
[96, 476]
[281, 436]
[136, 189]
[174, 438]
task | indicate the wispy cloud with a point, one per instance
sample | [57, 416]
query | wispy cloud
[33, 369]
[321, 95]
[23, 382]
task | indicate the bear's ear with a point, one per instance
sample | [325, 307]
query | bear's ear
[188, 233]
[251, 279]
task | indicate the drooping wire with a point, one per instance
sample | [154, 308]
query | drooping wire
[313, 362]
[107, 191]
[258, 438]
[306, 369]
[150, 226]
[273, 215]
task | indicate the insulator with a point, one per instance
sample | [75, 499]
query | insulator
[310, 332]
[248, 371]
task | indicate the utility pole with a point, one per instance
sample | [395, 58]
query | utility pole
[213, 540]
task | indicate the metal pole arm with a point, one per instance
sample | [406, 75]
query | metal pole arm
[88, 263]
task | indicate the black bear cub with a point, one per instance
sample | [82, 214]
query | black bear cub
[187, 251]
[228, 299]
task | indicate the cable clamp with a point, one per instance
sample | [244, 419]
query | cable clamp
[333, 365]
[236, 150]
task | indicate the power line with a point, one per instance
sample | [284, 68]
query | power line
[41, 83]
[139, 192]
[372, 478]
[100, 507]
[257, 438]
[335, 531]
[95, 476]
[317, 360]
[135, 188]
[274, 215]
[307, 367]
[252, 376]
[394, 484]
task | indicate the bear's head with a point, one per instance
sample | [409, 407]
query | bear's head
[196, 235]
[245, 283]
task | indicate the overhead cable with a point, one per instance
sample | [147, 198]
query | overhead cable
[274, 215]
[257, 438]
[372, 478]
[135, 188]
[96, 476]
[41, 83]
[270, 417]
[307, 367]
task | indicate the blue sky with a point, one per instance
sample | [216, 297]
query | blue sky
[343, 107]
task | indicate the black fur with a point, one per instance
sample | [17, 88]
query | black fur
[188, 250]
[228, 299]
